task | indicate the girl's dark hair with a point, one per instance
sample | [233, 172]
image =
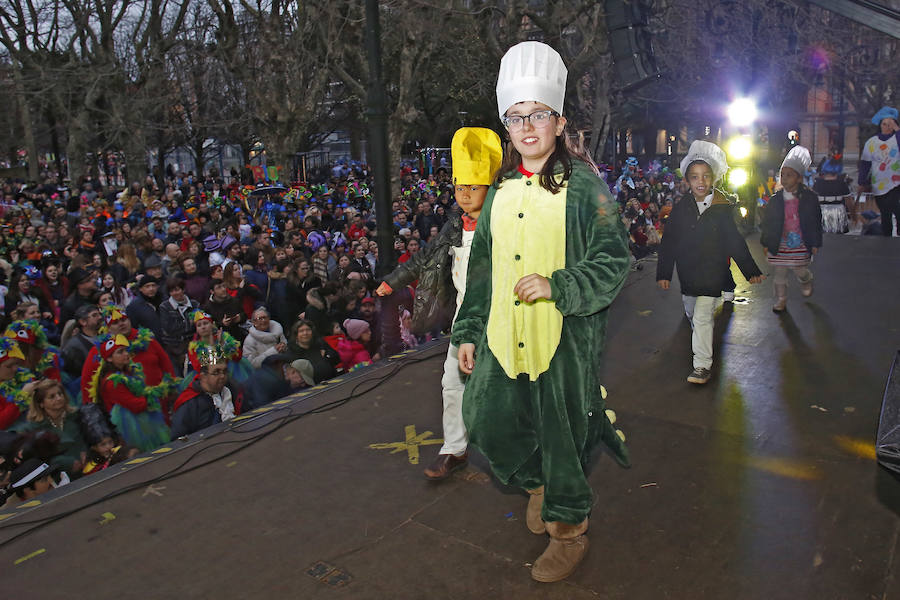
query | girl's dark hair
[698, 162]
[563, 153]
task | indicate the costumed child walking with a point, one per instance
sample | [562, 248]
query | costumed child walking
[441, 269]
[792, 227]
[700, 237]
[548, 257]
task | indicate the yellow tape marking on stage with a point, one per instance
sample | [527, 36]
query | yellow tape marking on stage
[19, 561]
[6, 516]
[784, 467]
[410, 444]
[855, 446]
[319, 387]
[262, 409]
[285, 401]
[161, 450]
[31, 504]
[138, 461]
[241, 418]
[336, 380]
[396, 356]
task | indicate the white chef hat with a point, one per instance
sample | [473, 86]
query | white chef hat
[708, 153]
[798, 159]
[531, 72]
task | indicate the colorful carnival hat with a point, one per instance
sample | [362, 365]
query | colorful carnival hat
[10, 349]
[476, 153]
[27, 332]
[111, 343]
[112, 313]
[199, 315]
[211, 354]
[886, 112]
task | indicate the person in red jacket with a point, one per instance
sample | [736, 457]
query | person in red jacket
[145, 351]
[133, 406]
[41, 357]
[15, 383]
[352, 348]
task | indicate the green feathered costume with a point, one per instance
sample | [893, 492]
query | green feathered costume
[533, 403]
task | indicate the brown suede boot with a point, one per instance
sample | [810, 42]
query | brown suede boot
[567, 548]
[533, 513]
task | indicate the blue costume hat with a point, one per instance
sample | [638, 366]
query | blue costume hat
[886, 112]
[831, 167]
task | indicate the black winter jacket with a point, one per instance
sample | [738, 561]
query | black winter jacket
[144, 314]
[810, 220]
[198, 411]
[176, 329]
[432, 265]
[700, 246]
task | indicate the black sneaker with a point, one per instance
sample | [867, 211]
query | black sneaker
[699, 376]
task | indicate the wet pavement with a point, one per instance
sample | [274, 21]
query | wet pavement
[760, 484]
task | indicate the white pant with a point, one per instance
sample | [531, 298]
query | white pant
[700, 310]
[453, 384]
[804, 275]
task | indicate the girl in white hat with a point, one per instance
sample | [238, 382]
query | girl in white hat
[548, 257]
[792, 227]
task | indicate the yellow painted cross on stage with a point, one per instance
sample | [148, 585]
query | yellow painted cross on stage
[410, 444]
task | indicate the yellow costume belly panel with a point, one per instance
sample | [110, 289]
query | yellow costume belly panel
[528, 233]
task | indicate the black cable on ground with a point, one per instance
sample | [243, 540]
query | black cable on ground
[245, 443]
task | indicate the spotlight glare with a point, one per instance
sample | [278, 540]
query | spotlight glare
[742, 112]
[740, 148]
[743, 211]
[738, 177]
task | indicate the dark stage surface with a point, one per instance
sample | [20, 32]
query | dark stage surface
[760, 485]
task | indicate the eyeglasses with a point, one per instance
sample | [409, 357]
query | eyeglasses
[540, 118]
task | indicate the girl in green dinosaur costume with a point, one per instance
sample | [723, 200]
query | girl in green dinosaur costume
[548, 257]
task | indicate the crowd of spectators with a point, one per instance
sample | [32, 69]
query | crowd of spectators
[135, 316]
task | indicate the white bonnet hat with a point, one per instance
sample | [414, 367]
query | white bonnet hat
[708, 153]
[798, 159]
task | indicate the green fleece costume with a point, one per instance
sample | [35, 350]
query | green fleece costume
[533, 402]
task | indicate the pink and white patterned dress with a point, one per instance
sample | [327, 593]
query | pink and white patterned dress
[792, 252]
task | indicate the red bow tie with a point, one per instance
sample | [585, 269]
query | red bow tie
[469, 223]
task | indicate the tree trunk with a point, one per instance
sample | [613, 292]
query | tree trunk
[599, 122]
[76, 149]
[27, 128]
[136, 159]
[54, 141]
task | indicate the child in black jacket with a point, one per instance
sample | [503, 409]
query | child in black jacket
[699, 238]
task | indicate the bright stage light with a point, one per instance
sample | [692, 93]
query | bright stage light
[738, 177]
[742, 112]
[743, 211]
[740, 148]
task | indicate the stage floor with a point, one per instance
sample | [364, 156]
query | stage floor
[761, 484]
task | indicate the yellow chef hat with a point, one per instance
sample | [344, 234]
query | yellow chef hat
[476, 153]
